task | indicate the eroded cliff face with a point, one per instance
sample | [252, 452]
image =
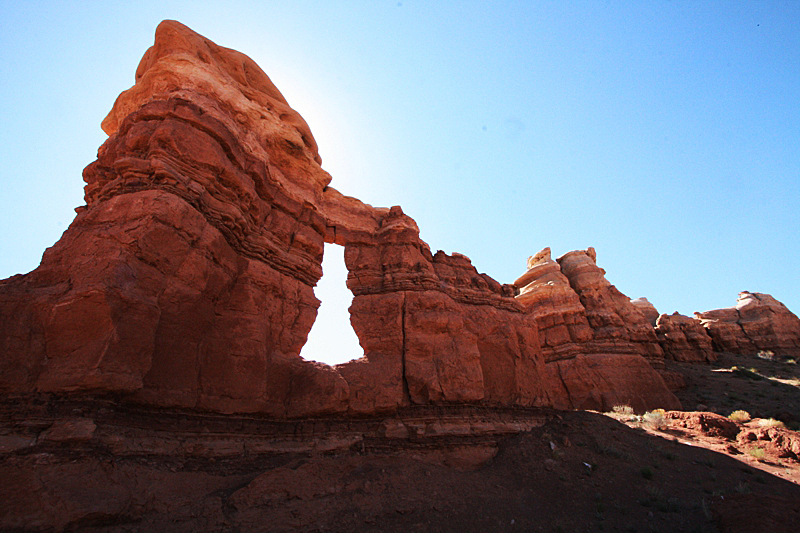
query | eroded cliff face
[187, 279]
[459, 335]
[757, 323]
[684, 339]
[600, 350]
[647, 309]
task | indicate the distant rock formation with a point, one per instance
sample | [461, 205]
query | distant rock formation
[560, 316]
[597, 346]
[186, 281]
[684, 339]
[617, 325]
[757, 323]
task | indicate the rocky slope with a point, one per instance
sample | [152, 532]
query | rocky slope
[94, 469]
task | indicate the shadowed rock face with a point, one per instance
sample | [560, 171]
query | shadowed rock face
[684, 339]
[757, 323]
[187, 278]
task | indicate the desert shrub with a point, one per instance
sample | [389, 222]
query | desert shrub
[739, 416]
[646, 472]
[623, 409]
[746, 373]
[756, 452]
[654, 419]
[771, 423]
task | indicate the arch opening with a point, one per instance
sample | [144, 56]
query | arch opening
[332, 339]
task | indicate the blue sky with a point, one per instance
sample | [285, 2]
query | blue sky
[664, 134]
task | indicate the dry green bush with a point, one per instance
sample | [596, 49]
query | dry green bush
[739, 416]
[757, 452]
[771, 423]
[654, 419]
[769, 355]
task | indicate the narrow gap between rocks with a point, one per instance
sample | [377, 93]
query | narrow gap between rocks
[332, 339]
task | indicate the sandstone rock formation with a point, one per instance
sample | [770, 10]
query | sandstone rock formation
[647, 309]
[561, 318]
[433, 328]
[617, 325]
[597, 360]
[684, 339]
[757, 323]
[186, 281]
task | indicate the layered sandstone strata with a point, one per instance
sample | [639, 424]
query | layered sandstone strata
[561, 318]
[187, 279]
[617, 325]
[433, 329]
[597, 361]
[757, 323]
[684, 339]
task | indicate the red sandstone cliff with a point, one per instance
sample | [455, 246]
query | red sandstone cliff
[187, 279]
[598, 348]
[684, 339]
[757, 323]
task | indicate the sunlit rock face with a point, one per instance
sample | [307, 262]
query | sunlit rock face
[758, 323]
[617, 325]
[599, 350]
[647, 309]
[187, 278]
[545, 291]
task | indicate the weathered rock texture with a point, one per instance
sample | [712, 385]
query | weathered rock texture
[647, 309]
[757, 323]
[561, 318]
[593, 338]
[187, 279]
[617, 325]
[684, 339]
